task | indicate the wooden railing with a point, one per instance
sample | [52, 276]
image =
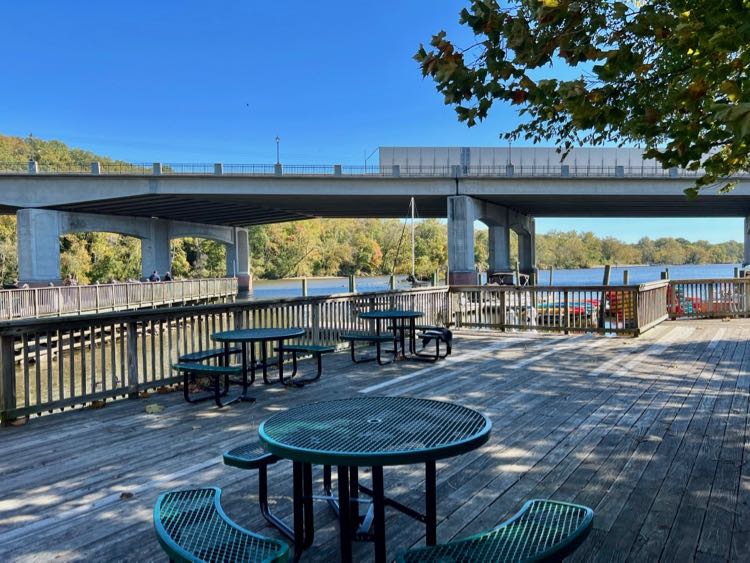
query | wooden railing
[709, 298]
[40, 302]
[601, 309]
[48, 364]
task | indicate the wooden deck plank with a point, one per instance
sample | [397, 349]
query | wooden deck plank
[652, 431]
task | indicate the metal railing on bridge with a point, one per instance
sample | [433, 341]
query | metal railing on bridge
[53, 301]
[328, 170]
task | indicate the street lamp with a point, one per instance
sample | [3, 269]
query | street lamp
[368, 157]
[277, 149]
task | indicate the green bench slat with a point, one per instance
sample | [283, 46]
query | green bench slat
[191, 526]
[249, 456]
[207, 354]
[367, 337]
[543, 530]
[205, 369]
[313, 349]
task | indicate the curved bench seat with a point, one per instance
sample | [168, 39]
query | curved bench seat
[543, 530]
[191, 526]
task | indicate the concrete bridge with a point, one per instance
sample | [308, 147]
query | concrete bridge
[504, 188]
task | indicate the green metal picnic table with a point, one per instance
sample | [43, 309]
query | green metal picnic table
[250, 336]
[369, 432]
[398, 319]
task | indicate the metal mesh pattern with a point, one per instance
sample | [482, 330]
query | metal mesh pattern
[193, 521]
[257, 334]
[249, 456]
[391, 314]
[377, 426]
[540, 530]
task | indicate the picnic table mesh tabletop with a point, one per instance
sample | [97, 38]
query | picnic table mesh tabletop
[374, 431]
[257, 334]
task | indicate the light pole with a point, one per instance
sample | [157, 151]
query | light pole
[367, 157]
[277, 149]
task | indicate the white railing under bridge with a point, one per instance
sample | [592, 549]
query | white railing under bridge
[55, 301]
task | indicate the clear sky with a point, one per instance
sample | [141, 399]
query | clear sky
[189, 81]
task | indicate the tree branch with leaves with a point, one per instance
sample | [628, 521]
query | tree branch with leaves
[671, 76]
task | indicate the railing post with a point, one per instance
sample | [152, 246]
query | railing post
[157, 169]
[33, 167]
[566, 312]
[36, 303]
[503, 312]
[97, 297]
[218, 169]
[315, 323]
[237, 320]
[132, 331]
[638, 298]
[78, 294]
[7, 378]
[480, 310]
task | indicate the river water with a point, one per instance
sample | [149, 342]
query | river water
[276, 289]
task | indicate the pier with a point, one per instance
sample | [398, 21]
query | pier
[650, 432]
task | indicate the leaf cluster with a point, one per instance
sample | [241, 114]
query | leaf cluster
[672, 76]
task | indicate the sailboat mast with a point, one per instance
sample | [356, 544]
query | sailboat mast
[413, 258]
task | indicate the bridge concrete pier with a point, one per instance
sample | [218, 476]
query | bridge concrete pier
[462, 212]
[39, 232]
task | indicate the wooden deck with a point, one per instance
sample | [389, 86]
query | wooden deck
[651, 432]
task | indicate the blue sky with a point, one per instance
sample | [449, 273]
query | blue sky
[193, 81]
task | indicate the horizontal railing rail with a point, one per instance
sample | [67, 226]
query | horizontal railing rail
[67, 300]
[709, 298]
[54, 363]
[407, 171]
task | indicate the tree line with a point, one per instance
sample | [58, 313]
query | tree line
[340, 247]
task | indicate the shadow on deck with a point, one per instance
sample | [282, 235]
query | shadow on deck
[652, 433]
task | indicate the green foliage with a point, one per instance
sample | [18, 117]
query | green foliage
[570, 249]
[670, 75]
[92, 257]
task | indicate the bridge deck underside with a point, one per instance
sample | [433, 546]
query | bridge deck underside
[249, 210]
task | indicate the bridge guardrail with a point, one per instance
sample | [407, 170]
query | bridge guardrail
[220, 169]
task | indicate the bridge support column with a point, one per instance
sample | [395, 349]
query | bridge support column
[527, 246]
[499, 241]
[461, 215]
[238, 261]
[155, 250]
[38, 235]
